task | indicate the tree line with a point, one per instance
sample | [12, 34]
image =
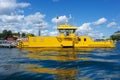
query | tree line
[8, 34]
[115, 37]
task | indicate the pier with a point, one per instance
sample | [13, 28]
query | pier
[6, 44]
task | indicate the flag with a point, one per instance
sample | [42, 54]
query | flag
[57, 17]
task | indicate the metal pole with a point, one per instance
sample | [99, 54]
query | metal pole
[39, 32]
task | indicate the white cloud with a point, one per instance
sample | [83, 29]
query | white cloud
[60, 20]
[44, 32]
[11, 18]
[27, 30]
[9, 6]
[53, 33]
[85, 27]
[23, 5]
[112, 24]
[20, 11]
[70, 16]
[36, 20]
[23, 23]
[35, 17]
[100, 21]
[41, 24]
[96, 35]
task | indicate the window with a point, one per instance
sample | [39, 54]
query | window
[67, 33]
[84, 39]
[62, 31]
[72, 31]
[79, 39]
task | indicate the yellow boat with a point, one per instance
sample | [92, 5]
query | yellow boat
[66, 38]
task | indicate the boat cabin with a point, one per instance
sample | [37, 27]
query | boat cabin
[66, 30]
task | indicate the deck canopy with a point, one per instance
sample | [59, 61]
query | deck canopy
[66, 26]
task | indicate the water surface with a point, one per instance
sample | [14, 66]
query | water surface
[60, 64]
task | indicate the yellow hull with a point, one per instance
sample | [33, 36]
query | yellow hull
[66, 41]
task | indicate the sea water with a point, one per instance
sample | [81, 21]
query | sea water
[60, 63]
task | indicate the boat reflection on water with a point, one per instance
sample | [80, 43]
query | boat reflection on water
[60, 74]
[60, 62]
[58, 54]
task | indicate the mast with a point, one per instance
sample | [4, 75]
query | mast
[39, 32]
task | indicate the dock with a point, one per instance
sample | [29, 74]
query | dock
[6, 44]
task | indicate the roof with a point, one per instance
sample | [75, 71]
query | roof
[66, 26]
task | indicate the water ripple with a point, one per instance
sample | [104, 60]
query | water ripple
[60, 64]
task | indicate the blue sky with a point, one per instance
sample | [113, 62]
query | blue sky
[95, 18]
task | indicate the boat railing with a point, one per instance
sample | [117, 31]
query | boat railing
[100, 40]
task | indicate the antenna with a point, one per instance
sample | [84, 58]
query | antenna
[39, 32]
[57, 17]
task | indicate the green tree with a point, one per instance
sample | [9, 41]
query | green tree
[9, 33]
[1, 35]
[115, 37]
[16, 34]
[4, 34]
[29, 34]
[23, 35]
